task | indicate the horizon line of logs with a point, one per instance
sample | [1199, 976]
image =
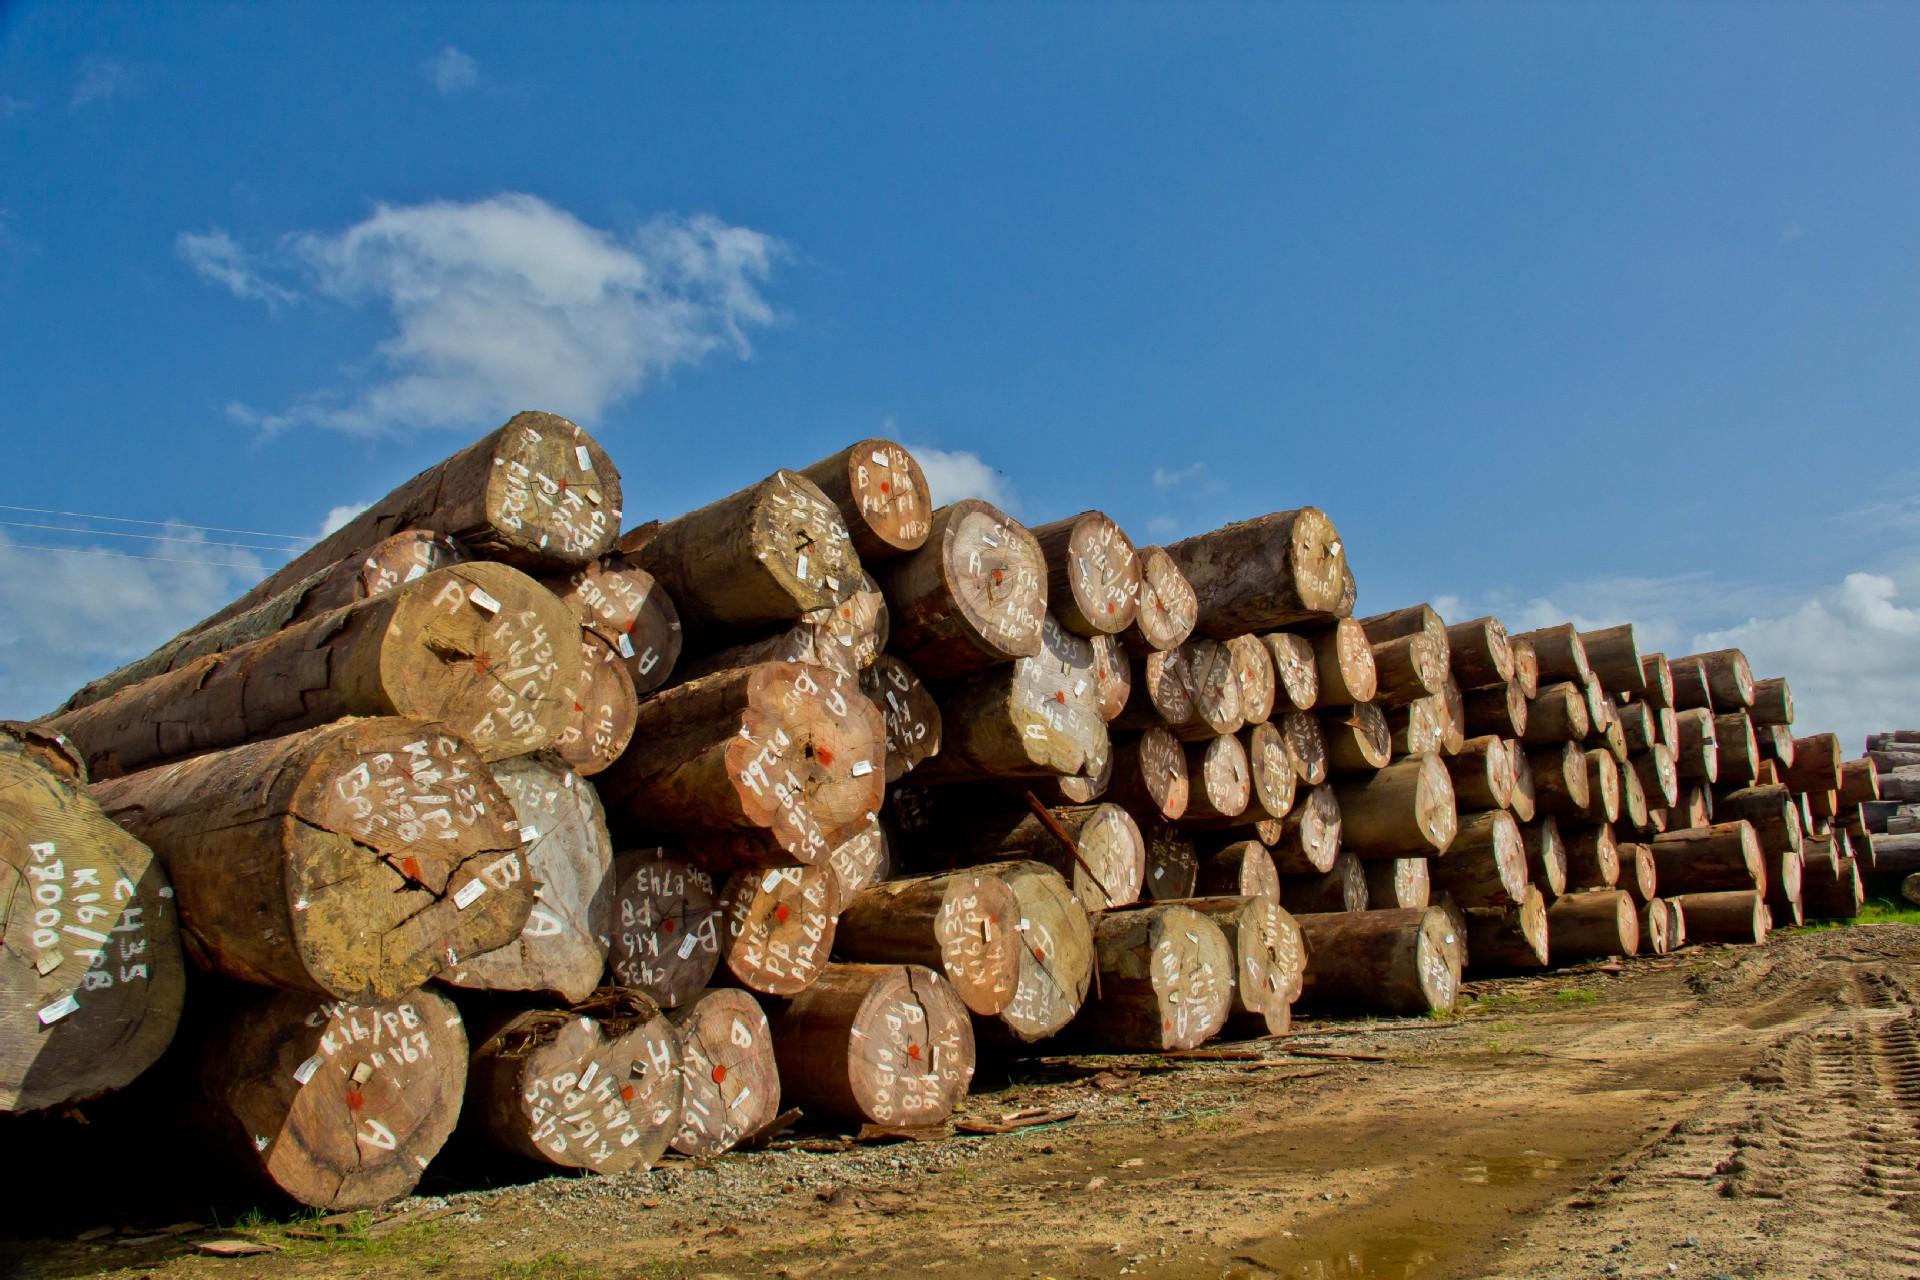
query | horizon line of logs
[487, 812]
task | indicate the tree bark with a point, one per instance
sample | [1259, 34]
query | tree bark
[1639, 726]
[1479, 653]
[1772, 811]
[1056, 957]
[1614, 656]
[666, 936]
[1150, 774]
[1657, 674]
[1358, 738]
[1737, 754]
[1264, 574]
[621, 603]
[1708, 859]
[973, 597]
[1658, 777]
[730, 1085]
[1296, 675]
[1342, 888]
[1408, 667]
[1242, 869]
[1560, 780]
[1482, 774]
[1736, 916]
[1859, 781]
[1035, 718]
[1511, 939]
[1592, 926]
[1310, 834]
[1697, 756]
[596, 1086]
[1690, 688]
[479, 646]
[356, 860]
[1772, 702]
[1399, 883]
[1560, 654]
[846, 637]
[1166, 979]
[1168, 606]
[1093, 574]
[1499, 709]
[886, 1044]
[960, 924]
[1729, 679]
[777, 927]
[1558, 713]
[882, 495]
[1405, 810]
[1840, 897]
[1593, 856]
[1397, 962]
[1816, 763]
[1486, 865]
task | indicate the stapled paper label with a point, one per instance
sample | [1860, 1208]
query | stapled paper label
[481, 600]
[687, 944]
[529, 834]
[800, 566]
[304, 1072]
[581, 456]
[586, 1077]
[879, 457]
[770, 882]
[417, 571]
[469, 893]
[861, 768]
[58, 1009]
[625, 645]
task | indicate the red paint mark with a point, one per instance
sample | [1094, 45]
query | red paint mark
[1109, 606]
[410, 868]
[885, 487]
[781, 913]
[719, 1074]
[913, 1051]
[626, 1093]
[847, 614]
[563, 486]
[666, 926]
[999, 576]
[481, 662]
[1040, 954]
[355, 1099]
[1059, 695]
[578, 709]
[1167, 1024]
[1100, 673]
[824, 756]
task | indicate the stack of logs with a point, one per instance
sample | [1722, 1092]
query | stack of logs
[1893, 814]
[485, 812]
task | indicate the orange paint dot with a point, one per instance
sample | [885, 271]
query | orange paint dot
[999, 576]
[719, 1074]
[355, 1099]
[781, 913]
[913, 1051]
[847, 614]
[1059, 695]
[1167, 1025]
[410, 867]
[885, 487]
[1109, 606]
[577, 708]
[626, 1093]
[1040, 954]
[824, 756]
[481, 662]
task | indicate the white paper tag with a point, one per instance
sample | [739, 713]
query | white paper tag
[586, 1077]
[687, 943]
[741, 1099]
[529, 834]
[770, 882]
[581, 456]
[833, 583]
[304, 1072]
[363, 1073]
[418, 571]
[58, 1009]
[469, 893]
[1023, 924]
[893, 702]
[48, 962]
[624, 645]
[989, 539]
[1159, 872]
[1079, 687]
[879, 457]
[800, 567]
[861, 768]
[481, 600]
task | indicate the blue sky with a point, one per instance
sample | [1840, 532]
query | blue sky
[1596, 311]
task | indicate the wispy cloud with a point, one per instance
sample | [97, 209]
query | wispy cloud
[214, 254]
[338, 517]
[11, 106]
[957, 474]
[508, 302]
[1190, 477]
[101, 80]
[451, 71]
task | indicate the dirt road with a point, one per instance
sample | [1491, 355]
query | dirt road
[1721, 1113]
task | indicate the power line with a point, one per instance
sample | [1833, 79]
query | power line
[162, 524]
[144, 537]
[124, 555]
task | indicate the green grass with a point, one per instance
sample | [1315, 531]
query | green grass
[1576, 995]
[552, 1265]
[1876, 911]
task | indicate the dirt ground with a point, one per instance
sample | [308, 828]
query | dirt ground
[1717, 1113]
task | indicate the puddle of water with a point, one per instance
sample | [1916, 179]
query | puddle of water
[1510, 1171]
[1395, 1255]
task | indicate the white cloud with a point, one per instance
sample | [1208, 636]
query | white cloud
[957, 474]
[508, 303]
[67, 617]
[101, 80]
[215, 255]
[11, 106]
[451, 71]
[337, 517]
[1187, 477]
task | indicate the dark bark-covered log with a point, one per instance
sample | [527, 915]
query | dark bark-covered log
[1656, 927]
[621, 603]
[336, 1106]
[1343, 662]
[1111, 862]
[361, 575]
[1659, 780]
[1310, 834]
[1816, 763]
[1168, 607]
[1253, 669]
[1772, 811]
[1056, 955]
[1690, 689]
[1603, 787]
[1737, 916]
[1150, 774]
[562, 949]
[1786, 874]
[1482, 774]
[862, 859]
[1521, 798]
[882, 495]
[1634, 812]
[766, 554]
[603, 709]
[1398, 962]
[1166, 980]
[1726, 855]
[91, 973]
[1526, 666]
[1479, 653]
[1639, 872]
[1546, 855]
[1657, 674]
[777, 927]
[1839, 897]
[1560, 655]
[730, 1085]
[1695, 807]
[1859, 781]
[1359, 738]
[1729, 678]
[1511, 939]
[960, 924]
[1558, 713]
[1341, 888]
[538, 493]
[1306, 746]
[1499, 709]
[1093, 574]
[908, 713]
[846, 637]
[1486, 865]
[1242, 869]
[1736, 753]
[1408, 667]
[1191, 690]
[973, 597]
[1296, 674]
[1269, 959]
[1419, 728]
[1415, 619]
[1639, 726]
[1560, 780]
[886, 1044]
[596, 1086]
[1613, 655]
[1696, 758]
[1399, 883]
[667, 930]
[1593, 856]
[1173, 863]
[1405, 810]
[480, 647]
[1676, 924]
[1035, 718]
[1221, 781]
[1263, 574]
[1592, 926]
[1772, 702]
[356, 860]
[788, 760]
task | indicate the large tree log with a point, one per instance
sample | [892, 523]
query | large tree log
[1166, 980]
[1736, 916]
[361, 575]
[1639, 726]
[1786, 875]
[479, 646]
[1729, 679]
[1816, 763]
[1593, 856]
[846, 637]
[1306, 746]
[1269, 960]
[908, 712]
[602, 712]
[1192, 690]
[621, 603]
[539, 493]
[1112, 677]
[1405, 810]
[596, 1086]
[1561, 784]
[1265, 573]
[666, 929]
[862, 859]
[768, 553]
[1558, 713]
[1772, 702]
[1659, 779]
[1221, 781]
[1696, 757]
[337, 1106]
[1296, 673]
[1634, 813]
[882, 495]
[1034, 718]
[1509, 939]
[1499, 709]
[1093, 574]
[1399, 962]
[1105, 867]
[1482, 774]
[1639, 872]
[1343, 663]
[1522, 798]
[1657, 674]
[886, 1044]
[1613, 655]
[1560, 655]
[973, 597]
[1398, 883]
[1479, 653]
[1242, 869]
[1838, 897]
[1310, 834]
[1656, 927]
[1593, 926]
[1486, 865]
[91, 975]
[1413, 620]
[1694, 808]
[777, 927]
[1150, 774]
[1736, 753]
[1359, 738]
[1603, 786]
[1526, 666]
[1691, 691]
[960, 924]
[356, 860]
[1253, 669]
[1547, 862]
[1726, 855]
[1168, 607]
[1341, 888]
[1173, 863]
[1272, 783]
[789, 759]
[730, 1085]
[1772, 811]
[1859, 781]
[1056, 955]
[562, 948]
[1408, 667]
[1419, 728]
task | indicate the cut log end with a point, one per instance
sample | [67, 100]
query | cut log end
[730, 1082]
